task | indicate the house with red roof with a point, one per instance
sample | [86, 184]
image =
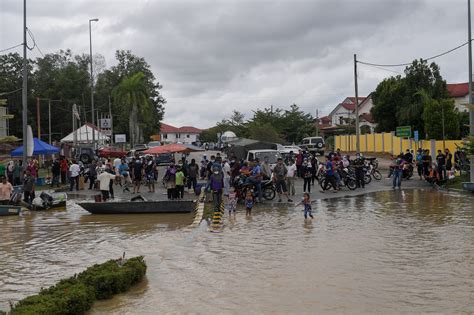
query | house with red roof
[344, 112]
[184, 134]
[460, 93]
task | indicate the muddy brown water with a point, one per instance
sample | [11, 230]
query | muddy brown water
[409, 251]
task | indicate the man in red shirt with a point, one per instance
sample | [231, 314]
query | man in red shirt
[64, 169]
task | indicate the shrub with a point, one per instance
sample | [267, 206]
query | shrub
[76, 295]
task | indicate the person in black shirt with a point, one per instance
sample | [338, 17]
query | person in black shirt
[408, 157]
[449, 159]
[441, 161]
[426, 159]
[359, 171]
[56, 170]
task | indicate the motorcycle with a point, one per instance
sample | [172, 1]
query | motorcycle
[241, 186]
[347, 179]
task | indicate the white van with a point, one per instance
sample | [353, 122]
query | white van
[272, 156]
[314, 145]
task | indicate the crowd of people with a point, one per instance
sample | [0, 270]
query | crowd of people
[228, 177]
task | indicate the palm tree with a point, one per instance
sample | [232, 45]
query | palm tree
[132, 95]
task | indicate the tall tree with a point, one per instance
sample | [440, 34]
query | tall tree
[132, 95]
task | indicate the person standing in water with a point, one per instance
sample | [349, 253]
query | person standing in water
[248, 202]
[307, 206]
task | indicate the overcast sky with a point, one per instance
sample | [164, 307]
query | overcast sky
[213, 57]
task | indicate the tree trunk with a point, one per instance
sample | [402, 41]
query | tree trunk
[132, 124]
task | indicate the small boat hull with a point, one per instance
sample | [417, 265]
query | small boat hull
[58, 205]
[139, 207]
[9, 210]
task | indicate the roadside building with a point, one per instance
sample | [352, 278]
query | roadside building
[460, 93]
[185, 134]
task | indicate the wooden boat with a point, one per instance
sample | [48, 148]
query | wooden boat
[9, 210]
[136, 207]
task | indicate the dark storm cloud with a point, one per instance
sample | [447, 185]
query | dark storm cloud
[216, 56]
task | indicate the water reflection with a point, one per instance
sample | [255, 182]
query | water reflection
[396, 252]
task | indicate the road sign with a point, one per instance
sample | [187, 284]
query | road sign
[120, 138]
[105, 123]
[403, 131]
[416, 135]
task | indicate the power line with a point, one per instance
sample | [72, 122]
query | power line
[9, 48]
[11, 92]
[409, 63]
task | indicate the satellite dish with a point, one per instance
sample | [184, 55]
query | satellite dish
[30, 145]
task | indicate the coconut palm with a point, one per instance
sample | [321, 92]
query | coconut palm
[133, 97]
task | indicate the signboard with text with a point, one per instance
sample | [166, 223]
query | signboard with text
[120, 138]
[403, 132]
[416, 135]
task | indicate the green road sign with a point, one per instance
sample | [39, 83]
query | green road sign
[403, 131]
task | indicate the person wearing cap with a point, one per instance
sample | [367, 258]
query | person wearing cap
[279, 177]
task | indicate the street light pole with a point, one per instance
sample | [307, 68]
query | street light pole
[356, 106]
[471, 109]
[92, 77]
[24, 99]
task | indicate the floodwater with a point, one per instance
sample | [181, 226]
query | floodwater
[409, 251]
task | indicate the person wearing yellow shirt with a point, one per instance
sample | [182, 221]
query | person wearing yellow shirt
[179, 183]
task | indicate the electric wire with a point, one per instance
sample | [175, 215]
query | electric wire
[10, 48]
[409, 63]
[11, 92]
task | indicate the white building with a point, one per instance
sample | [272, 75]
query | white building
[343, 114]
[460, 93]
[185, 134]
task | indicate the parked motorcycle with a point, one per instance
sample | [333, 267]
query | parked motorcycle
[241, 185]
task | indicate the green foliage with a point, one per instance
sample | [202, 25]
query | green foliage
[65, 77]
[468, 145]
[264, 132]
[387, 98]
[433, 113]
[76, 295]
[271, 125]
[400, 101]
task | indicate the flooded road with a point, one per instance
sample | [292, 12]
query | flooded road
[393, 252]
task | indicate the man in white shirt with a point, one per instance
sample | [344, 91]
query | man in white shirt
[117, 163]
[290, 177]
[104, 184]
[226, 170]
[74, 171]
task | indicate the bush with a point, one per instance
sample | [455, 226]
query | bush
[76, 295]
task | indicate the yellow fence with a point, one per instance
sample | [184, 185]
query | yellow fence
[387, 142]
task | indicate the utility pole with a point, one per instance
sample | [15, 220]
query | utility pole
[356, 105]
[317, 123]
[92, 77]
[442, 125]
[38, 117]
[471, 106]
[49, 120]
[111, 123]
[24, 91]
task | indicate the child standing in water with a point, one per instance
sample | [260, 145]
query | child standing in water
[231, 202]
[248, 202]
[307, 206]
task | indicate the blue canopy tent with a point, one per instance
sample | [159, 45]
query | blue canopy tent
[40, 148]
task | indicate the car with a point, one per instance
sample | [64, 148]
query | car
[114, 152]
[290, 148]
[85, 154]
[164, 159]
[153, 144]
[314, 145]
[139, 147]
